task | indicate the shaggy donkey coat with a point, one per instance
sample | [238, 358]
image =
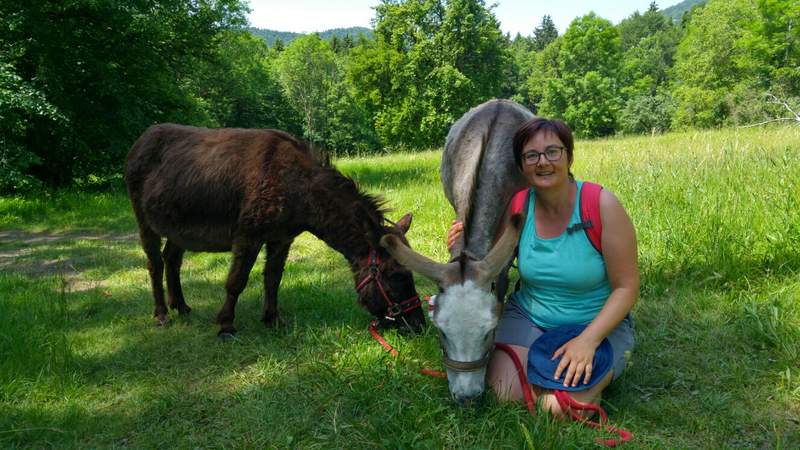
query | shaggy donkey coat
[220, 190]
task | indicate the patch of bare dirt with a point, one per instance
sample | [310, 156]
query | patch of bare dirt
[18, 251]
[27, 238]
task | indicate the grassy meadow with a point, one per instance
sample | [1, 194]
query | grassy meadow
[717, 362]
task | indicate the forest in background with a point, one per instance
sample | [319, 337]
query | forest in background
[286, 37]
[80, 80]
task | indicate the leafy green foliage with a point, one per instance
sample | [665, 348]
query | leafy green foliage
[586, 90]
[20, 104]
[431, 62]
[649, 43]
[80, 80]
[286, 37]
[238, 87]
[647, 113]
[545, 70]
[307, 71]
[711, 58]
[314, 80]
[110, 69]
[774, 41]
[544, 34]
[592, 105]
[678, 11]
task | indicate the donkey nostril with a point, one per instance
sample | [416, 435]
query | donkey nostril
[468, 399]
[464, 402]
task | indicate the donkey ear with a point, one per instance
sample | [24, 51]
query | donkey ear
[443, 274]
[405, 223]
[486, 270]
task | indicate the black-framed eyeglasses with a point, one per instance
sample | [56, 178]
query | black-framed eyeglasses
[551, 153]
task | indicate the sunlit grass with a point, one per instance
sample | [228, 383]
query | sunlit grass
[718, 323]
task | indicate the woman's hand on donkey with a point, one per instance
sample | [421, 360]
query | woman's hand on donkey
[454, 233]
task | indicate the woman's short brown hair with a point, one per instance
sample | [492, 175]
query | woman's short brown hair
[538, 125]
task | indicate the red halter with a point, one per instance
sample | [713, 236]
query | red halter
[393, 309]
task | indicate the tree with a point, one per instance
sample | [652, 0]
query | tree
[20, 104]
[518, 69]
[649, 42]
[591, 44]
[647, 113]
[712, 61]
[544, 34]
[110, 69]
[770, 56]
[775, 42]
[640, 26]
[585, 91]
[307, 72]
[238, 86]
[545, 67]
[432, 61]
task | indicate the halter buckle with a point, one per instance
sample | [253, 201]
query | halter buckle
[393, 311]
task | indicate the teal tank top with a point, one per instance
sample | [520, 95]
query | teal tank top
[563, 279]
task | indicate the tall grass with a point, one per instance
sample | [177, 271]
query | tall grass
[717, 325]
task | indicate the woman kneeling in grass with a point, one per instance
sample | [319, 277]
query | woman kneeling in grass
[565, 278]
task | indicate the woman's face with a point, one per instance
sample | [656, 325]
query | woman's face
[544, 172]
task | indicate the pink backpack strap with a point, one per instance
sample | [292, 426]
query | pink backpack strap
[519, 201]
[590, 214]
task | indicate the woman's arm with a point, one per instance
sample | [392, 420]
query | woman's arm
[619, 253]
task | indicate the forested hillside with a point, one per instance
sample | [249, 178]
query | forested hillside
[80, 80]
[286, 37]
[675, 12]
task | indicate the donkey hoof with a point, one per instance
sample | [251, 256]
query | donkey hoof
[161, 321]
[226, 336]
[184, 309]
[272, 320]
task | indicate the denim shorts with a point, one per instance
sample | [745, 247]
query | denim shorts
[516, 328]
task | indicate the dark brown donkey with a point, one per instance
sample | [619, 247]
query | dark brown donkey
[220, 190]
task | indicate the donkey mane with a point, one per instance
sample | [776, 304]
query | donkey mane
[329, 176]
[338, 193]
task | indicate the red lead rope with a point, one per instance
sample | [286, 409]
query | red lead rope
[565, 401]
[373, 330]
[527, 391]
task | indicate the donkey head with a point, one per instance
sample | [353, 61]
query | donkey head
[386, 288]
[465, 312]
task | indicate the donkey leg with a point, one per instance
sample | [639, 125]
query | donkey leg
[151, 243]
[277, 252]
[244, 256]
[173, 259]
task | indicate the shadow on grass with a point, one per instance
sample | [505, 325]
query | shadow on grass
[689, 360]
[50, 255]
[87, 262]
[311, 381]
[294, 402]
